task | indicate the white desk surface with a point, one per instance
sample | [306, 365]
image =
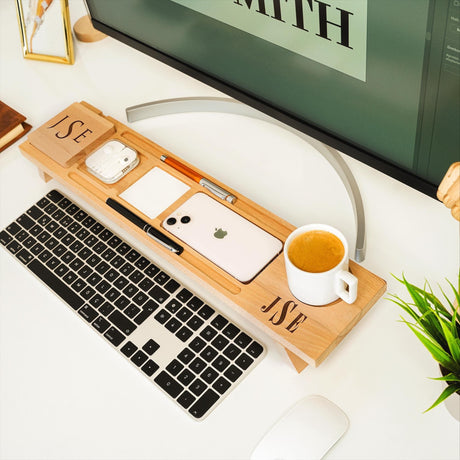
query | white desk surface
[64, 394]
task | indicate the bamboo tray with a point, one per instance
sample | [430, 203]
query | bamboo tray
[308, 333]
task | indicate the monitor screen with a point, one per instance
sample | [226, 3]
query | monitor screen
[379, 81]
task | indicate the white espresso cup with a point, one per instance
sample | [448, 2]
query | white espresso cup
[323, 287]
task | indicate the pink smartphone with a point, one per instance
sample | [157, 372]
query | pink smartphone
[227, 239]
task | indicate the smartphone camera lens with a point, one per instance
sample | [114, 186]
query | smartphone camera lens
[185, 219]
[171, 221]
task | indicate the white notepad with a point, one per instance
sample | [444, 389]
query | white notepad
[154, 192]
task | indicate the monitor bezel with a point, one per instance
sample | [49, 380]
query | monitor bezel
[365, 156]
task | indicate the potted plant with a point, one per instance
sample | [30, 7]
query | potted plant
[436, 323]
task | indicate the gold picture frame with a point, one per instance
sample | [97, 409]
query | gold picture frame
[45, 30]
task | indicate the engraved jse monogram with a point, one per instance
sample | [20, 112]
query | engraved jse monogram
[280, 316]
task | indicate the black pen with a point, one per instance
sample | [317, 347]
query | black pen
[151, 231]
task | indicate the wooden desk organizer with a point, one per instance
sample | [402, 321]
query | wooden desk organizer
[308, 333]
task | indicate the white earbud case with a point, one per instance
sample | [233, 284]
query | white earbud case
[112, 161]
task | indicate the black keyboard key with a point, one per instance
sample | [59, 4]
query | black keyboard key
[173, 325]
[121, 282]
[230, 331]
[24, 256]
[128, 349]
[186, 377]
[123, 249]
[99, 247]
[151, 347]
[174, 367]
[142, 263]
[89, 313]
[208, 333]
[158, 294]
[161, 278]
[122, 302]
[184, 314]
[87, 293]
[72, 209]
[186, 355]
[139, 358]
[22, 235]
[208, 354]
[43, 203]
[96, 228]
[54, 196]
[127, 269]
[36, 230]
[59, 287]
[45, 255]
[244, 361]
[64, 203]
[113, 242]
[79, 215]
[184, 333]
[197, 365]
[220, 363]
[233, 373]
[29, 242]
[144, 314]
[96, 301]
[13, 228]
[136, 276]
[219, 322]
[162, 316]
[14, 247]
[106, 308]
[184, 295]
[53, 263]
[221, 385]
[168, 384]
[195, 323]
[197, 344]
[105, 235]
[101, 324]
[150, 367]
[131, 311]
[206, 401]
[243, 340]
[114, 336]
[130, 290]
[186, 399]
[232, 351]
[37, 249]
[132, 255]
[220, 342]
[195, 303]
[146, 284]
[34, 212]
[94, 279]
[209, 375]
[88, 222]
[78, 285]
[5, 238]
[51, 208]
[206, 312]
[173, 306]
[255, 349]
[171, 286]
[140, 298]
[25, 221]
[151, 270]
[122, 322]
[61, 270]
[197, 387]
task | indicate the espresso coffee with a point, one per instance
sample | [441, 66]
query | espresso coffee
[316, 251]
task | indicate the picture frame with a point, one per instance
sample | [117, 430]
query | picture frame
[45, 30]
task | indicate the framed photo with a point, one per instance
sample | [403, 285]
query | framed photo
[45, 30]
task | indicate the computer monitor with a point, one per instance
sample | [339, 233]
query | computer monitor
[377, 80]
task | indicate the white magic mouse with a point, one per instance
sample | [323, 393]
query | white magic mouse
[306, 432]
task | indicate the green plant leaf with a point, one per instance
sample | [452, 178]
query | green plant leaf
[452, 342]
[450, 389]
[436, 351]
[448, 378]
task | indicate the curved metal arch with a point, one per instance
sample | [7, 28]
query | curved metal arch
[226, 105]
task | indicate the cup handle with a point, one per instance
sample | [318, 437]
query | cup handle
[346, 278]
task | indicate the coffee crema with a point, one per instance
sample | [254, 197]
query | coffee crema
[316, 251]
